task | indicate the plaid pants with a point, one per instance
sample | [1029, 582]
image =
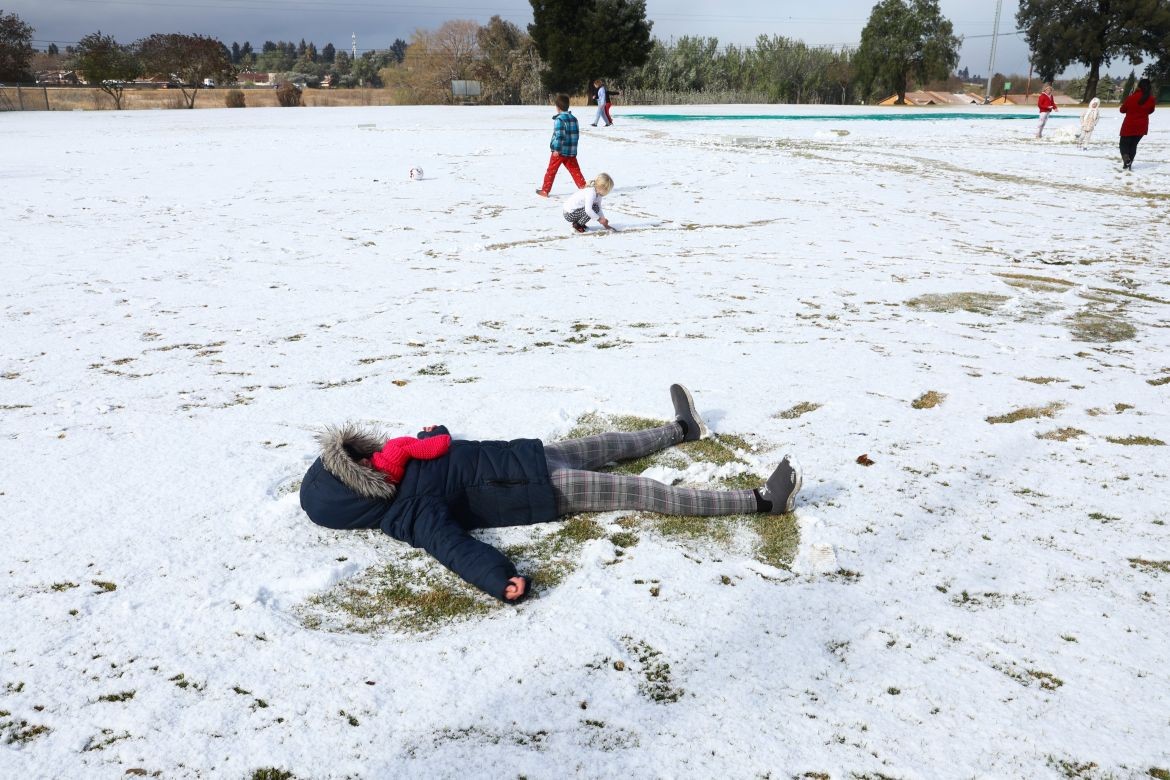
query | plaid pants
[578, 488]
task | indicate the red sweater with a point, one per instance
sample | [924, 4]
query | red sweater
[1137, 114]
[394, 456]
[1045, 103]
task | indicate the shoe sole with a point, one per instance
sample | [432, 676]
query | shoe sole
[704, 431]
[796, 484]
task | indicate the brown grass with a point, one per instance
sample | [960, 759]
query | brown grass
[92, 99]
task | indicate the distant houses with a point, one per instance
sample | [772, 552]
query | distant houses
[1017, 99]
[925, 98]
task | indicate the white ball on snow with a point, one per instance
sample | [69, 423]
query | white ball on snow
[416, 173]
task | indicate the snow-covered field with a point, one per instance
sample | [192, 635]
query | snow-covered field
[187, 295]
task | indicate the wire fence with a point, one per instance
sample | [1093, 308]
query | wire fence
[18, 97]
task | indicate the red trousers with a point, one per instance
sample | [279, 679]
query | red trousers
[554, 164]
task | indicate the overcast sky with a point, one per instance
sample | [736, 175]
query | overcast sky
[377, 24]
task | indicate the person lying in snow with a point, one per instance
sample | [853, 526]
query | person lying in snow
[432, 491]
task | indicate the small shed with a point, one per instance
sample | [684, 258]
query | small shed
[466, 92]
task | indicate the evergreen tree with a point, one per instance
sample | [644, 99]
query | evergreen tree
[53, 50]
[1130, 83]
[1092, 33]
[235, 53]
[398, 49]
[579, 40]
[329, 54]
[904, 40]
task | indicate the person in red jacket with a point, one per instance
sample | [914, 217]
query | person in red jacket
[1137, 109]
[1046, 105]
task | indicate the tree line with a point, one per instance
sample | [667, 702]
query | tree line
[905, 44]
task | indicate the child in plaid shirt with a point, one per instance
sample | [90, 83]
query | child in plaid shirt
[563, 146]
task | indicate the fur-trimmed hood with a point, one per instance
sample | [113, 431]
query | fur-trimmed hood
[337, 444]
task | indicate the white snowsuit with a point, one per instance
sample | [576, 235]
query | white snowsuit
[1089, 122]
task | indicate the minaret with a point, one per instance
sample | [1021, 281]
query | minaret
[354, 50]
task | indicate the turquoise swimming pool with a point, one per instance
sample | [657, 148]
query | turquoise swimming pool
[884, 117]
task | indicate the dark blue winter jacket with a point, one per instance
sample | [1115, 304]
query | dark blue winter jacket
[477, 484]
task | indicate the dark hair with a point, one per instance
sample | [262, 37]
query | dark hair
[1144, 87]
[562, 102]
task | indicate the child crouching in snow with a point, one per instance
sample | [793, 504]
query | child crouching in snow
[431, 492]
[584, 204]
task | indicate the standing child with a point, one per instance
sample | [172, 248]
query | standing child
[1046, 105]
[563, 146]
[599, 94]
[1089, 122]
[585, 204]
[1137, 109]
[607, 104]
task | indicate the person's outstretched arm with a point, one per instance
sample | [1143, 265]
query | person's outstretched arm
[433, 529]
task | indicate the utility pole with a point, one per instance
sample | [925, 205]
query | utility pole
[991, 61]
[354, 49]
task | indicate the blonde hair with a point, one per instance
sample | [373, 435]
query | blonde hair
[602, 182]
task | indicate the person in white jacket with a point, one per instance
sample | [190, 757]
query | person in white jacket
[1089, 122]
[585, 204]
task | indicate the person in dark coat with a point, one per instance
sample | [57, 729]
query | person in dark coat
[441, 498]
[1137, 109]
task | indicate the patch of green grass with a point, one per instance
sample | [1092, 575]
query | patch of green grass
[928, 400]
[553, 557]
[104, 587]
[1094, 325]
[657, 683]
[1061, 434]
[123, 696]
[791, 413]
[1048, 682]
[21, 731]
[1141, 441]
[435, 369]
[103, 740]
[1074, 770]
[779, 538]
[1041, 380]
[1142, 563]
[1164, 380]
[417, 597]
[973, 302]
[624, 539]
[60, 586]
[1159, 774]
[1026, 413]
[272, 773]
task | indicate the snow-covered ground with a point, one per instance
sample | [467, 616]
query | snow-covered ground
[187, 295]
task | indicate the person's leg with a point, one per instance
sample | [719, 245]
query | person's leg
[575, 171]
[600, 115]
[590, 491]
[593, 452]
[554, 163]
[1128, 147]
[1133, 148]
[578, 218]
[1043, 121]
[608, 116]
